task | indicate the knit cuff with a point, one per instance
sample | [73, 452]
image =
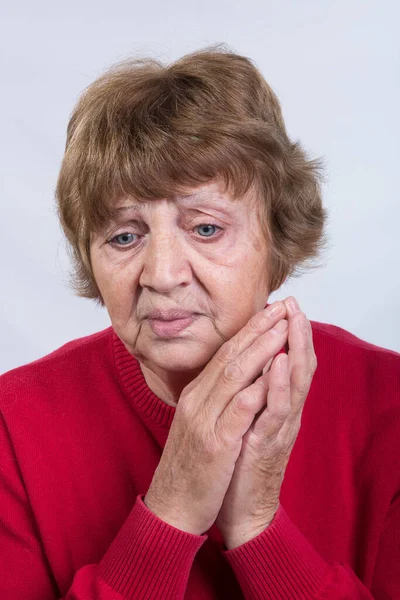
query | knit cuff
[279, 563]
[149, 558]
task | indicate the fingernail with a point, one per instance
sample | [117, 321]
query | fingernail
[293, 305]
[281, 326]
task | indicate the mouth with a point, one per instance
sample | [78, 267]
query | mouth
[171, 328]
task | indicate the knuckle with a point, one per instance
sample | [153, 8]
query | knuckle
[242, 401]
[228, 352]
[304, 387]
[282, 387]
[233, 372]
[281, 413]
[314, 363]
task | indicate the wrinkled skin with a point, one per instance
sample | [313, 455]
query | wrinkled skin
[237, 413]
[169, 262]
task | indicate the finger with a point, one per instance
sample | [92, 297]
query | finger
[250, 401]
[256, 327]
[277, 410]
[302, 359]
[240, 373]
[292, 305]
[240, 411]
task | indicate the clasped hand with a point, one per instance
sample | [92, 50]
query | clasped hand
[234, 429]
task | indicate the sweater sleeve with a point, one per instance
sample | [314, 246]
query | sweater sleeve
[147, 559]
[280, 563]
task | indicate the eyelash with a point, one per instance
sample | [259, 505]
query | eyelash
[128, 247]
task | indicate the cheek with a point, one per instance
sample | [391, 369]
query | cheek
[117, 283]
[248, 269]
[245, 288]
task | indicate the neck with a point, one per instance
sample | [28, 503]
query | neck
[168, 385]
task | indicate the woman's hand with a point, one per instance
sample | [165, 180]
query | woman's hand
[252, 498]
[213, 414]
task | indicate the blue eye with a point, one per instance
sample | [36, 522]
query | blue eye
[208, 226]
[122, 239]
[127, 239]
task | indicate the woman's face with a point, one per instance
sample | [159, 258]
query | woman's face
[203, 252]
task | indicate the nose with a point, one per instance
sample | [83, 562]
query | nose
[166, 265]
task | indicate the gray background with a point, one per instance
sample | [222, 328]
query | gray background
[335, 68]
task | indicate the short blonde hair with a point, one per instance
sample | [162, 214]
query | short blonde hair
[149, 131]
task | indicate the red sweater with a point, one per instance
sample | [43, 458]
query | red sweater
[81, 435]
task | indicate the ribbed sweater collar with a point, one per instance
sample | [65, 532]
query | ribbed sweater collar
[134, 384]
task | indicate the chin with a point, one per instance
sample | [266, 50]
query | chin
[177, 357]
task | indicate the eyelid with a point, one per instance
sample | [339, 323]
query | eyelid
[111, 242]
[125, 232]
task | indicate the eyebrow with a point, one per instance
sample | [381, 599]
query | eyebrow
[188, 199]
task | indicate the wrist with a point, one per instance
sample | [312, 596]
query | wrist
[241, 536]
[173, 518]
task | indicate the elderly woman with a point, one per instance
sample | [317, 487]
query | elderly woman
[193, 449]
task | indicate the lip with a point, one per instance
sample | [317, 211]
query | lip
[163, 328]
[170, 315]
